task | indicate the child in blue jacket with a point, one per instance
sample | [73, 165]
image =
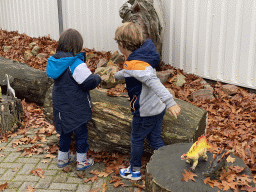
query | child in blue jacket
[149, 98]
[70, 97]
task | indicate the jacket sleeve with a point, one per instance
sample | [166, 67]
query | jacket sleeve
[149, 78]
[84, 77]
[119, 75]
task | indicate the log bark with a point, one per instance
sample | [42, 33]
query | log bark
[10, 114]
[110, 126]
[28, 82]
[164, 171]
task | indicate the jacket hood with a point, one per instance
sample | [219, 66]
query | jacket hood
[147, 53]
[59, 62]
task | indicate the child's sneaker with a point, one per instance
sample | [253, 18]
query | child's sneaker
[64, 163]
[84, 164]
[128, 174]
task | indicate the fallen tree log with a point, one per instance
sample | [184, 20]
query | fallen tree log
[28, 82]
[110, 126]
[11, 114]
[164, 171]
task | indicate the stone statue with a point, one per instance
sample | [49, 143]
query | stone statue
[144, 13]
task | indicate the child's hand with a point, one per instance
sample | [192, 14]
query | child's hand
[174, 110]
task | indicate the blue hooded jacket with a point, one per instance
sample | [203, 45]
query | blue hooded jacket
[70, 95]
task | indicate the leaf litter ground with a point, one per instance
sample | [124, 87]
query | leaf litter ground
[231, 118]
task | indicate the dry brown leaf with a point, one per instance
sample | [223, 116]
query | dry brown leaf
[39, 172]
[92, 179]
[3, 186]
[95, 190]
[50, 156]
[66, 170]
[15, 169]
[104, 187]
[188, 175]
[3, 148]
[231, 159]
[44, 161]
[30, 189]
[118, 183]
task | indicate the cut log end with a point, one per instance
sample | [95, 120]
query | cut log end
[164, 171]
[11, 113]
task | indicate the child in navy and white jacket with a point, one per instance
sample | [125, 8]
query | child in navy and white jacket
[71, 99]
[149, 98]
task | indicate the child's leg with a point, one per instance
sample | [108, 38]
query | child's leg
[141, 126]
[82, 144]
[64, 158]
[64, 145]
[82, 147]
[154, 137]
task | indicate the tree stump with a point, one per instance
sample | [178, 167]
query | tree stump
[11, 113]
[164, 171]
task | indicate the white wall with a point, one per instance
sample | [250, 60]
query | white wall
[32, 17]
[96, 20]
[214, 39]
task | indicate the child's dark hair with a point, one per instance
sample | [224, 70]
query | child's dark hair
[70, 41]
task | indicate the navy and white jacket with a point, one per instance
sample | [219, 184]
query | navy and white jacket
[70, 95]
[147, 94]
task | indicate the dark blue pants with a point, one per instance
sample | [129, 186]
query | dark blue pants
[82, 144]
[142, 127]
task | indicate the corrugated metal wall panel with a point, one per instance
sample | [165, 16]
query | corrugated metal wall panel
[214, 39]
[96, 20]
[32, 17]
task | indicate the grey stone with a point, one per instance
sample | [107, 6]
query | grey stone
[10, 165]
[164, 75]
[50, 172]
[12, 157]
[61, 177]
[35, 50]
[14, 184]
[180, 80]
[25, 186]
[102, 63]
[230, 89]
[26, 160]
[26, 169]
[32, 44]
[83, 188]
[27, 55]
[117, 58]
[8, 175]
[74, 180]
[44, 183]
[203, 94]
[26, 178]
[98, 184]
[7, 48]
[63, 186]
[42, 55]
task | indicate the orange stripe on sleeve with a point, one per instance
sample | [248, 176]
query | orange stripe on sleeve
[135, 65]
